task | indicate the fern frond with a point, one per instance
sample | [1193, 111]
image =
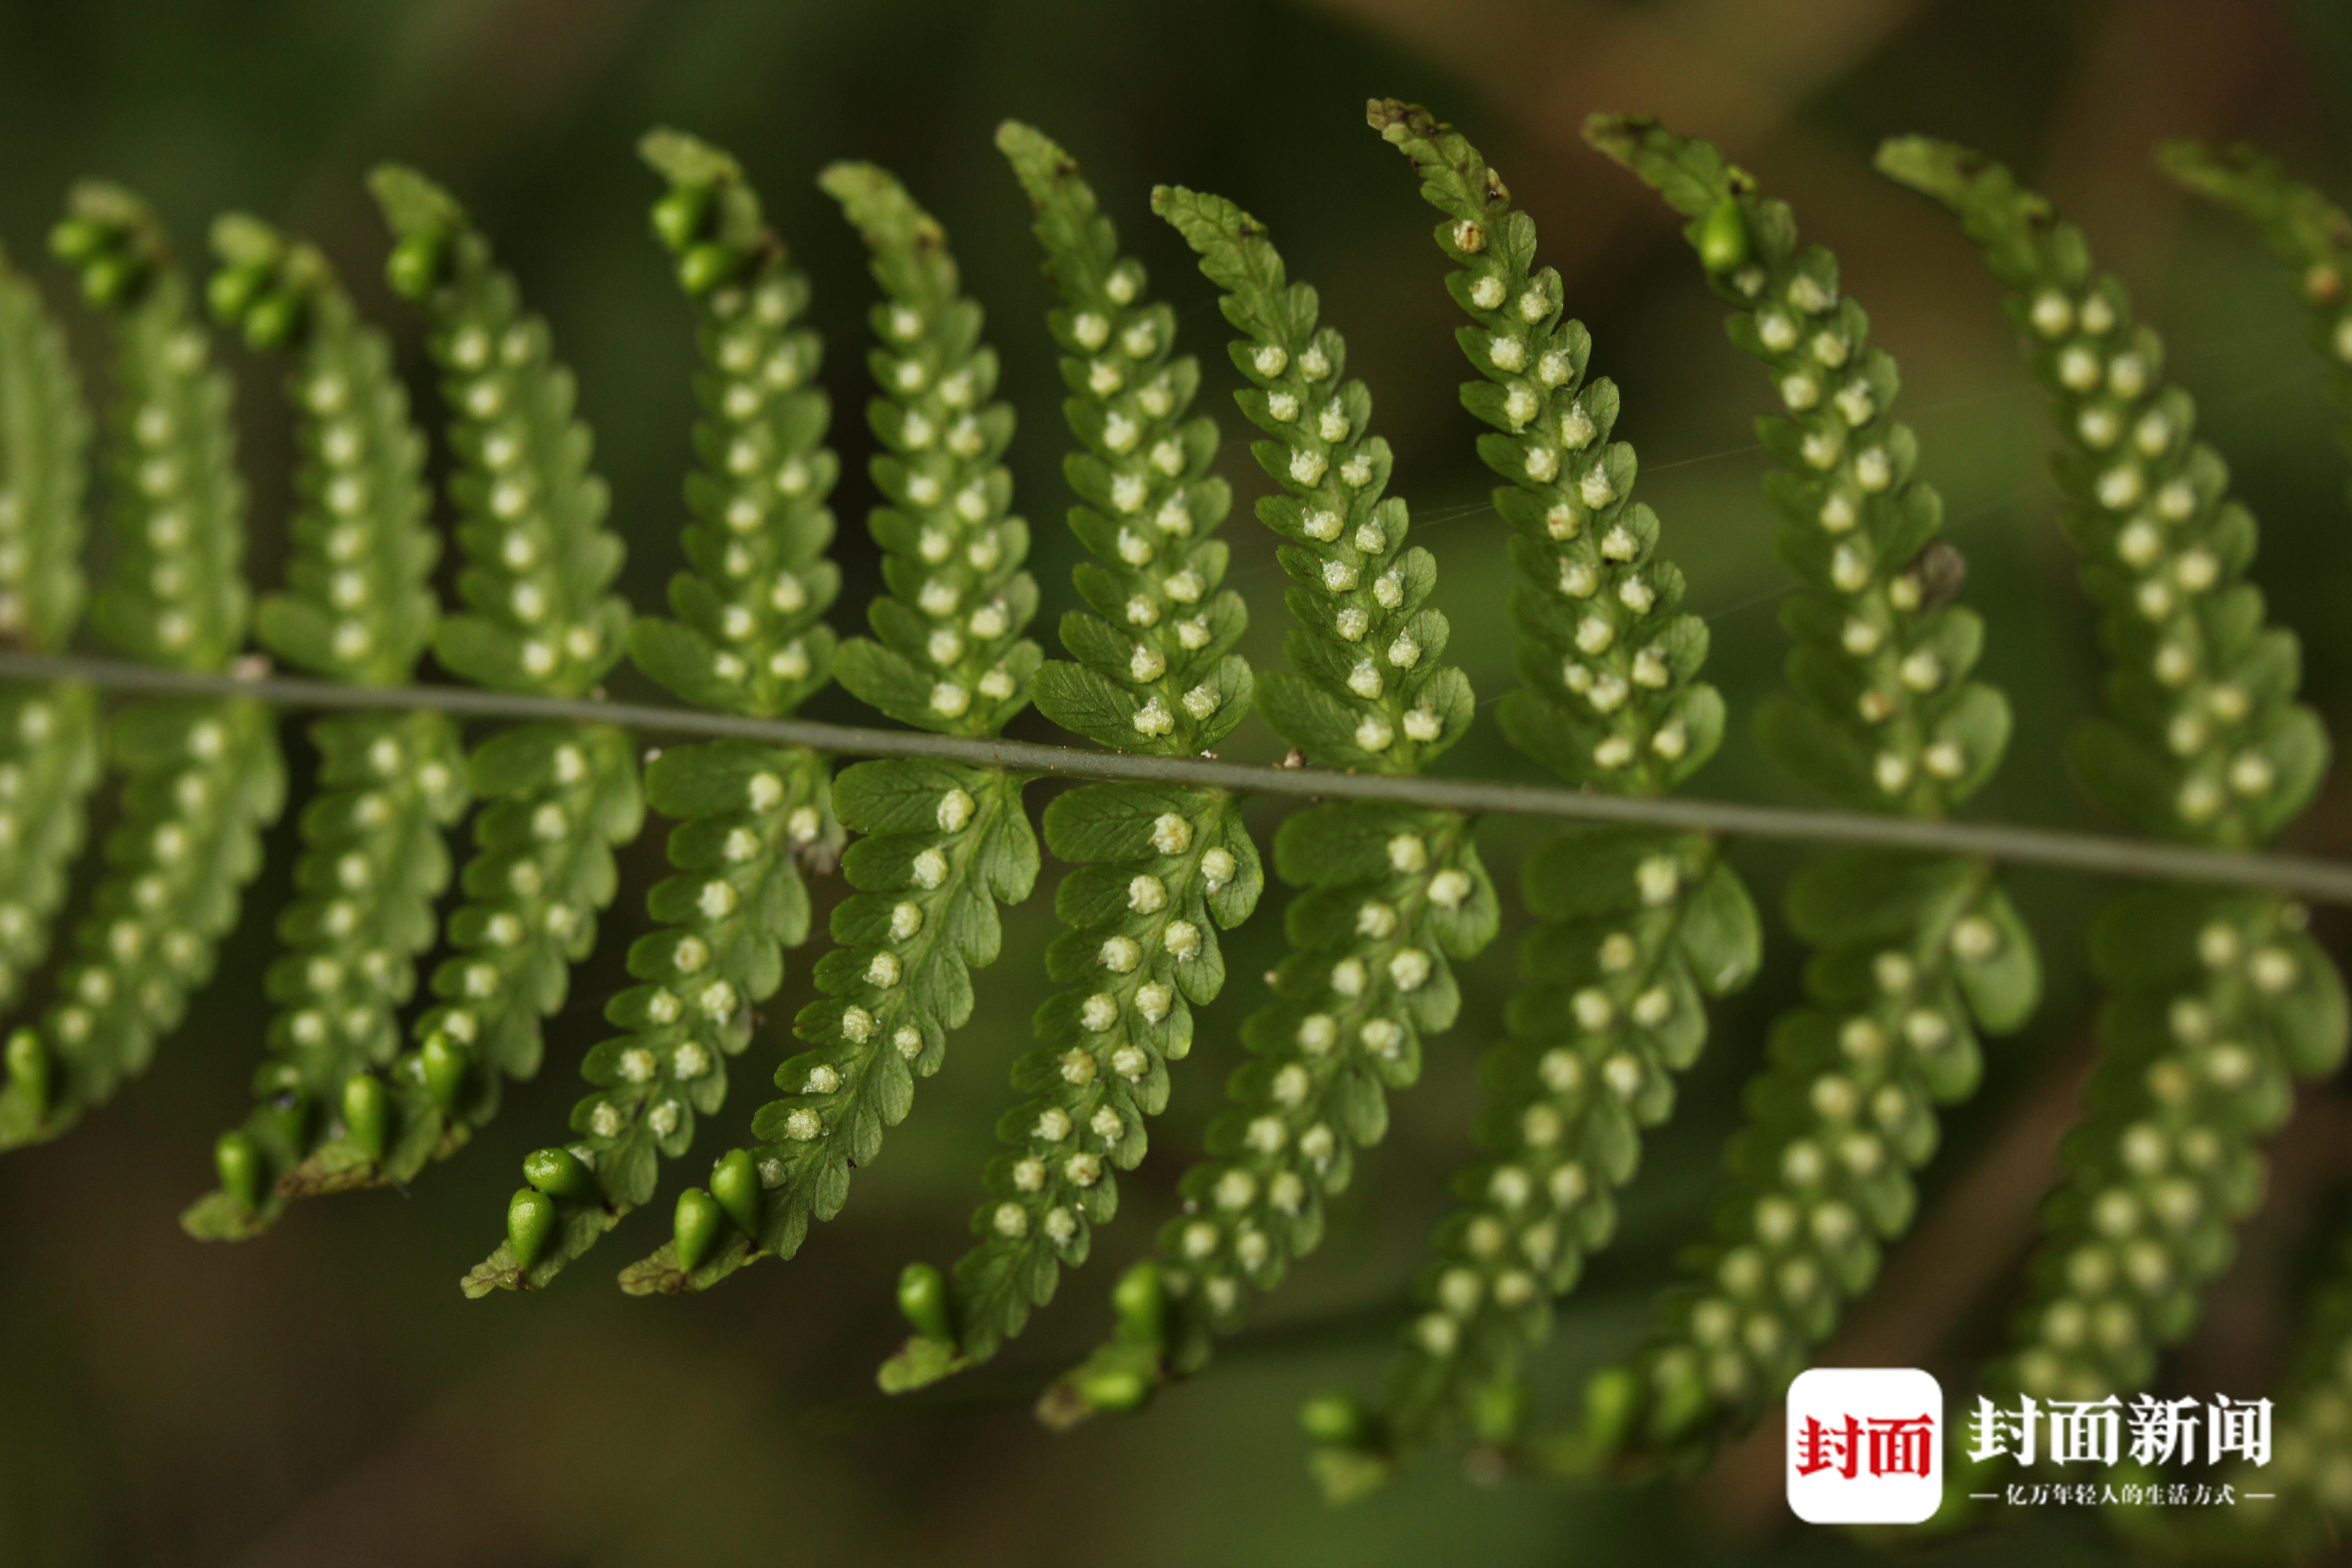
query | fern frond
[48, 732]
[2217, 999]
[201, 778]
[556, 798]
[1388, 894]
[1160, 869]
[357, 605]
[1635, 924]
[941, 845]
[748, 640]
[1917, 952]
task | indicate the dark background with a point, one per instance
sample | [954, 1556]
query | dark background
[326, 1395]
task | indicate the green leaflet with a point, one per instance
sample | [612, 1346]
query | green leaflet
[44, 446]
[939, 847]
[950, 656]
[174, 594]
[748, 640]
[2216, 1001]
[1366, 687]
[358, 605]
[1610, 700]
[1610, 695]
[2205, 741]
[538, 563]
[1155, 670]
[749, 637]
[952, 839]
[555, 801]
[1916, 953]
[49, 734]
[201, 778]
[1156, 865]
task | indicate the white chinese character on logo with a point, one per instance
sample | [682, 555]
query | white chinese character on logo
[2240, 1427]
[1991, 1430]
[2085, 1429]
[2163, 1431]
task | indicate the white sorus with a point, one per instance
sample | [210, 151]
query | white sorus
[663, 1007]
[1119, 954]
[1098, 1011]
[1595, 489]
[1542, 464]
[909, 1040]
[765, 792]
[1106, 1125]
[1408, 853]
[804, 825]
[1384, 1037]
[1319, 524]
[1423, 725]
[1389, 590]
[1290, 1085]
[884, 970]
[1307, 467]
[1153, 718]
[1012, 1220]
[1154, 1001]
[1364, 681]
[1082, 1170]
[1376, 919]
[1341, 577]
[1266, 1134]
[1658, 880]
[1147, 894]
[1061, 1225]
[690, 954]
[1594, 633]
[1194, 634]
[1200, 702]
[1507, 353]
[1053, 1126]
[1170, 833]
[944, 647]
[1488, 293]
[689, 1061]
[637, 1065]
[1351, 623]
[717, 900]
[856, 1025]
[605, 1121]
[1318, 1032]
[1578, 579]
[1182, 939]
[1131, 1062]
[1448, 888]
[1217, 869]
[821, 1079]
[1146, 664]
[1077, 1066]
[803, 1126]
[1029, 1175]
[1374, 734]
[1636, 594]
[929, 870]
[1141, 611]
[955, 810]
[1873, 471]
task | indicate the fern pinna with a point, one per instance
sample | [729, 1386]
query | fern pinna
[2219, 996]
[48, 732]
[540, 619]
[1159, 869]
[1388, 893]
[1915, 953]
[357, 607]
[1634, 923]
[941, 844]
[201, 777]
[748, 640]
[2217, 999]
[2310, 1480]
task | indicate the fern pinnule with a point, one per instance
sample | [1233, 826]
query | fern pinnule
[941, 844]
[201, 777]
[747, 639]
[2218, 999]
[1636, 923]
[1917, 952]
[48, 732]
[1388, 893]
[1159, 869]
[357, 605]
[556, 798]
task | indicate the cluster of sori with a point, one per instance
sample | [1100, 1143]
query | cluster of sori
[200, 778]
[1915, 955]
[1158, 868]
[940, 846]
[2217, 1000]
[1635, 924]
[1388, 893]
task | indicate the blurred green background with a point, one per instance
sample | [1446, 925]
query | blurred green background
[326, 1395]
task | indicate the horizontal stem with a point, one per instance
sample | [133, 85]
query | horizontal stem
[2326, 881]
